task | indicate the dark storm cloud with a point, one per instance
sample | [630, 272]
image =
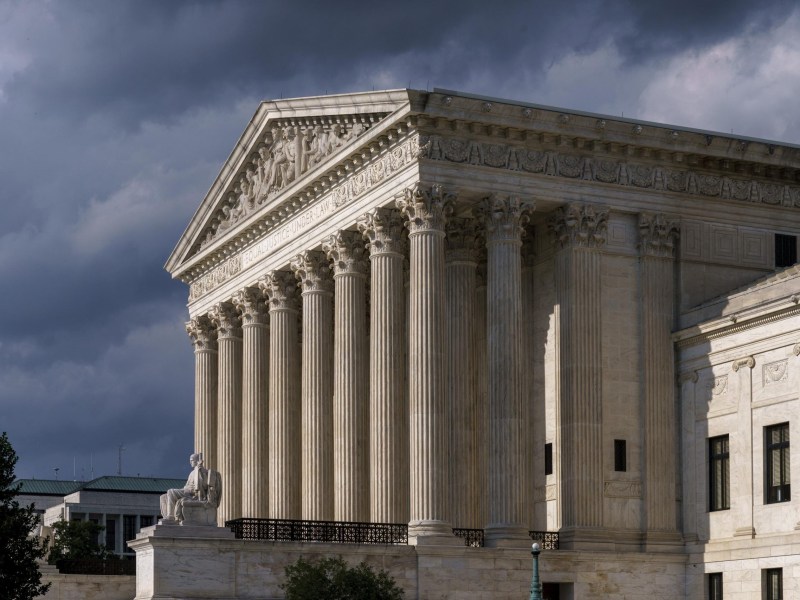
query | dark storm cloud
[116, 116]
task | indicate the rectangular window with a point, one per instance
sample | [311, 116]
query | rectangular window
[773, 582]
[111, 534]
[129, 524]
[620, 456]
[146, 520]
[719, 495]
[776, 471]
[715, 586]
[548, 459]
[785, 250]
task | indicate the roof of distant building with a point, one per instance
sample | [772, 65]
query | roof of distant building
[107, 483]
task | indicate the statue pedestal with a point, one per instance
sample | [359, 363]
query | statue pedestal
[184, 561]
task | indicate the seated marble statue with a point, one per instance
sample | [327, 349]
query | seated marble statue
[197, 502]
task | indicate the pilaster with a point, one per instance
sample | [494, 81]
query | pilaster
[346, 251]
[388, 410]
[688, 386]
[657, 237]
[462, 243]
[280, 288]
[313, 271]
[504, 218]
[229, 409]
[426, 210]
[251, 304]
[204, 339]
[742, 451]
[580, 231]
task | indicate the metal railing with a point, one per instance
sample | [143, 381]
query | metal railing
[472, 537]
[547, 539]
[335, 532]
[74, 566]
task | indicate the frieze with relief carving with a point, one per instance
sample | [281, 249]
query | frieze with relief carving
[607, 170]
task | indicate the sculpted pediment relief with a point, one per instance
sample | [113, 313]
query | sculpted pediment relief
[288, 149]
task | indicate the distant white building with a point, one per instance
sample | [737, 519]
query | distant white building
[122, 505]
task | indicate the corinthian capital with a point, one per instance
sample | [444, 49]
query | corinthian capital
[347, 252]
[425, 208]
[464, 240]
[657, 235]
[384, 229]
[280, 289]
[504, 217]
[580, 225]
[251, 304]
[226, 319]
[313, 271]
[202, 333]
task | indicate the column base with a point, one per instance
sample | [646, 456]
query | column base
[504, 535]
[591, 538]
[745, 532]
[662, 541]
[432, 533]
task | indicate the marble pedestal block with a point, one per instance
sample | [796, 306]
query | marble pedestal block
[182, 562]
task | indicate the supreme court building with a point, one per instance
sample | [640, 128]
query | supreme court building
[459, 312]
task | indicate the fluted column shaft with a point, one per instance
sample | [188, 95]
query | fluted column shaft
[481, 367]
[284, 396]
[466, 422]
[580, 231]
[204, 339]
[229, 413]
[504, 218]
[313, 271]
[657, 236]
[351, 377]
[426, 212]
[535, 409]
[388, 410]
[250, 303]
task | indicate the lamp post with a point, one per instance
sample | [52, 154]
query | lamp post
[536, 586]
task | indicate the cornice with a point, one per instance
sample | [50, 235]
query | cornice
[732, 324]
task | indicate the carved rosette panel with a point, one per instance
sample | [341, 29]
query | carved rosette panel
[251, 304]
[504, 217]
[719, 385]
[280, 289]
[658, 235]
[347, 253]
[426, 208]
[226, 319]
[580, 225]
[202, 333]
[313, 271]
[385, 231]
[775, 372]
[464, 240]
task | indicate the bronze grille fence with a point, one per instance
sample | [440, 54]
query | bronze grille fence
[335, 532]
[548, 540]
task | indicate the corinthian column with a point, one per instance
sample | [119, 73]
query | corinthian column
[351, 377]
[580, 230]
[255, 402]
[204, 339]
[504, 218]
[466, 423]
[426, 211]
[314, 273]
[280, 288]
[229, 410]
[657, 247]
[388, 410]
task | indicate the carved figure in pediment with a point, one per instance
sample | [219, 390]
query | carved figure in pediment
[283, 155]
[313, 145]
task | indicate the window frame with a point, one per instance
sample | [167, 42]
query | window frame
[769, 592]
[714, 586]
[548, 458]
[780, 492]
[620, 456]
[719, 466]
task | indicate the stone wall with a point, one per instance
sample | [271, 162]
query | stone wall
[87, 587]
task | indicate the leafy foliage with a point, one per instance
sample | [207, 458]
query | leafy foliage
[76, 540]
[20, 578]
[332, 579]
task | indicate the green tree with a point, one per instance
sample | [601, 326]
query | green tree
[77, 540]
[20, 578]
[332, 579]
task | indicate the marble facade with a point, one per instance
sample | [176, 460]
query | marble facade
[400, 301]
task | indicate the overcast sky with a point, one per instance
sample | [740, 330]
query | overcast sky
[116, 116]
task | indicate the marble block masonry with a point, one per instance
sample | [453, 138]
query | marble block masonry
[451, 311]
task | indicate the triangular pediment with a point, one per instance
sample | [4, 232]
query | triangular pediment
[286, 142]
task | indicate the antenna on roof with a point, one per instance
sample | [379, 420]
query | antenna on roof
[74, 475]
[91, 466]
[56, 469]
[119, 459]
